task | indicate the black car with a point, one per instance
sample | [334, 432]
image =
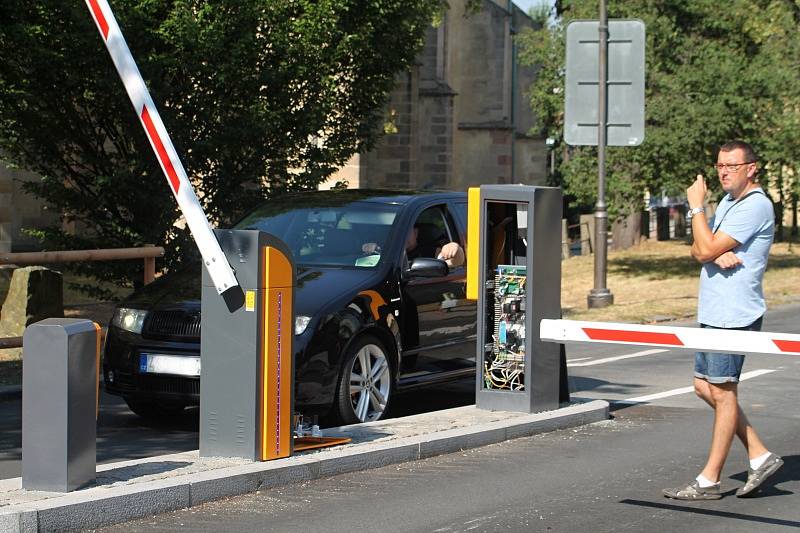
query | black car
[369, 321]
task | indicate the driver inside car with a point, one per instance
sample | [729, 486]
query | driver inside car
[451, 253]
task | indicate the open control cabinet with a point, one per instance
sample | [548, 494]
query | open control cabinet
[519, 273]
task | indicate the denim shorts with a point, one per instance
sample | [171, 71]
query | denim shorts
[716, 367]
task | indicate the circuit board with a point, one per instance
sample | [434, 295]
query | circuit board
[504, 366]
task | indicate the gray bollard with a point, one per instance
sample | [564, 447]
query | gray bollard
[59, 404]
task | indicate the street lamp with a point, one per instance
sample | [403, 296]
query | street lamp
[551, 145]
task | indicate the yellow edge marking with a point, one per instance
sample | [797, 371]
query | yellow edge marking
[473, 241]
[262, 308]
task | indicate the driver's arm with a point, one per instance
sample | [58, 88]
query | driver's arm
[452, 253]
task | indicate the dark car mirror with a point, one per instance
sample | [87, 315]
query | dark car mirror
[427, 267]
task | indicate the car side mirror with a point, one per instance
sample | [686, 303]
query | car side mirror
[427, 267]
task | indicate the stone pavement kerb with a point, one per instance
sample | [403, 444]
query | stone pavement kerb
[134, 489]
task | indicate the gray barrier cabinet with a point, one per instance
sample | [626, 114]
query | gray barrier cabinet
[59, 404]
[246, 355]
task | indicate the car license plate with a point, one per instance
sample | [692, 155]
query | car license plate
[156, 363]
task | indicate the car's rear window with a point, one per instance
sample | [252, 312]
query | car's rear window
[346, 235]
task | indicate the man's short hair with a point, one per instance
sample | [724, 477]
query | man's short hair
[749, 154]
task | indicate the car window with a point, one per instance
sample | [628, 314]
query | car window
[348, 235]
[432, 229]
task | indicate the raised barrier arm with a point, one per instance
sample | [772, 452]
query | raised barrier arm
[213, 258]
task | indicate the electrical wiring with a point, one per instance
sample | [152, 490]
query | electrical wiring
[504, 368]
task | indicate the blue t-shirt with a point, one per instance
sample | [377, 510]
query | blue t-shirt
[734, 298]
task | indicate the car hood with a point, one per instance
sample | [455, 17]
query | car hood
[317, 287]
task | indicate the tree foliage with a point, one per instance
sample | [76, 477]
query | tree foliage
[259, 97]
[713, 73]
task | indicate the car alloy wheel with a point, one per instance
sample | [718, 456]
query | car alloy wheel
[366, 383]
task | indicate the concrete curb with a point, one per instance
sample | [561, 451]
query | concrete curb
[112, 503]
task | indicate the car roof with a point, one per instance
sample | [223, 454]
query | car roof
[339, 197]
[383, 196]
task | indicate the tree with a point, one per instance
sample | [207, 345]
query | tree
[713, 74]
[259, 97]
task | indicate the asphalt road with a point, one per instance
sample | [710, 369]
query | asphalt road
[601, 477]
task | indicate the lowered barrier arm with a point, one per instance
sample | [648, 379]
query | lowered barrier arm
[678, 338]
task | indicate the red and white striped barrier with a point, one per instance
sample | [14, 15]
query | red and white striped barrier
[679, 338]
[218, 267]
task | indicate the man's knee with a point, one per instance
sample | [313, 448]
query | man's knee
[701, 389]
[723, 392]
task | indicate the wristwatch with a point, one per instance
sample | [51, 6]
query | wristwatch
[695, 211]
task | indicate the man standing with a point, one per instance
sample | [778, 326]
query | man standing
[733, 249]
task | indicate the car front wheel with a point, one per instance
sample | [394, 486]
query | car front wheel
[365, 385]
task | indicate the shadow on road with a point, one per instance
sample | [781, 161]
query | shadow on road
[790, 471]
[433, 398]
[713, 512]
[581, 384]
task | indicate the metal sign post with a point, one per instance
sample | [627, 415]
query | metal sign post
[600, 295]
[614, 115]
[214, 259]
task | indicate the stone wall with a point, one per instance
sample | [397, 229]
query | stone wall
[435, 152]
[460, 116]
[35, 293]
[19, 210]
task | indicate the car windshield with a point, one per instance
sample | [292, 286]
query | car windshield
[353, 234]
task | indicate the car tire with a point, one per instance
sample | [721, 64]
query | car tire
[152, 410]
[366, 382]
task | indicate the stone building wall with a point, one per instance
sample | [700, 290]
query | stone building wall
[18, 211]
[461, 115]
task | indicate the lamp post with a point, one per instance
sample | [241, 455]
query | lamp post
[551, 148]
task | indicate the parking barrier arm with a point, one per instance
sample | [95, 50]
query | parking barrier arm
[678, 338]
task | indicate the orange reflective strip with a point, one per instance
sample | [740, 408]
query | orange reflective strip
[639, 337]
[276, 362]
[787, 346]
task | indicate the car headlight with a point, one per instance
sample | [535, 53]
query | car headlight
[129, 319]
[300, 324]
